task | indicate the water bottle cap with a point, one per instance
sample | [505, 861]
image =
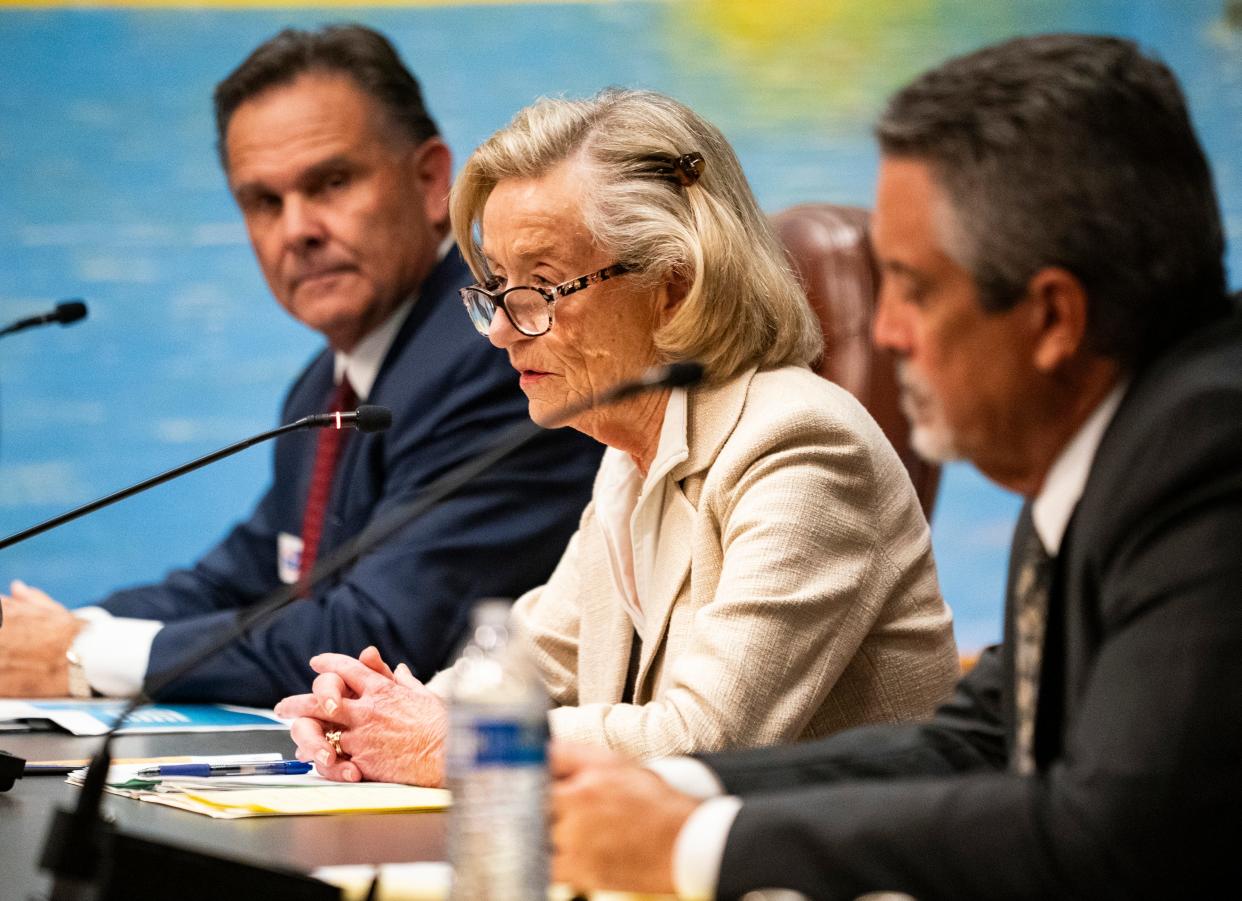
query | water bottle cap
[492, 612]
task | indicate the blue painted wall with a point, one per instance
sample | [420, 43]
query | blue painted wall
[111, 192]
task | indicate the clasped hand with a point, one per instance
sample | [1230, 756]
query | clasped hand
[392, 727]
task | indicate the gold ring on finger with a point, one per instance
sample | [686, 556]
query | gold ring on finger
[333, 737]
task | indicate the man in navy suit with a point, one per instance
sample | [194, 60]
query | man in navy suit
[1054, 289]
[343, 183]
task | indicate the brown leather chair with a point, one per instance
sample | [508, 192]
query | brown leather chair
[830, 250]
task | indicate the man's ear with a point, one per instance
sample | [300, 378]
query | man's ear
[1058, 303]
[432, 163]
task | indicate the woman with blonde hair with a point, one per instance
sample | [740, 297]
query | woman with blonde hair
[754, 566]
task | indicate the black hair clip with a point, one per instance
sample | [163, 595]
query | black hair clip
[683, 170]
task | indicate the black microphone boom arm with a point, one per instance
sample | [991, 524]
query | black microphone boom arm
[365, 419]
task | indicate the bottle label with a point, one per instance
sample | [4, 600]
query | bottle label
[504, 742]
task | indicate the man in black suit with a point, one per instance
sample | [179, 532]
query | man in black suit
[342, 180]
[1053, 286]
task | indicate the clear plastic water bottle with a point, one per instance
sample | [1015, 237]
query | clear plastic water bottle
[496, 767]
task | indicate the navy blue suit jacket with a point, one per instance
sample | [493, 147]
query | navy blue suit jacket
[450, 392]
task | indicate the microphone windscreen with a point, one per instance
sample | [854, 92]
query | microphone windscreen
[682, 375]
[70, 311]
[372, 418]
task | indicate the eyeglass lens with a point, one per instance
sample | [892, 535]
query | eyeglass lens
[528, 310]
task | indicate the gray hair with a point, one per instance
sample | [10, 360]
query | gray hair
[1074, 151]
[361, 53]
[743, 306]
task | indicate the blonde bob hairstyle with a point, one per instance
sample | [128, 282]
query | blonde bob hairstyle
[743, 306]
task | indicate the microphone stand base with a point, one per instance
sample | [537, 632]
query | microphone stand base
[133, 868]
[11, 769]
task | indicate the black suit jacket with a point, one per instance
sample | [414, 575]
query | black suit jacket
[1138, 791]
[450, 393]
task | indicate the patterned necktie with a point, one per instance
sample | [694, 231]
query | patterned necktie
[1030, 611]
[327, 453]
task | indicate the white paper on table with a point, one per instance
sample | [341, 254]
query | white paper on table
[427, 881]
[76, 722]
[431, 881]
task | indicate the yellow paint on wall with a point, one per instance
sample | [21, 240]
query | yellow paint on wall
[798, 61]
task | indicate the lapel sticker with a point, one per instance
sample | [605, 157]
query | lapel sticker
[288, 557]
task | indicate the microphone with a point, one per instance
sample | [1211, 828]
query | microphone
[365, 419]
[66, 313]
[74, 843]
[671, 375]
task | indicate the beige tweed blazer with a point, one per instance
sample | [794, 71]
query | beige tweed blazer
[794, 592]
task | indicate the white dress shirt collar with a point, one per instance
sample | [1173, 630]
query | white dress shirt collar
[362, 364]
[1062, 489]
[674, 446]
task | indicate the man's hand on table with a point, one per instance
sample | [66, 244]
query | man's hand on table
[614, 824]
[34, 637]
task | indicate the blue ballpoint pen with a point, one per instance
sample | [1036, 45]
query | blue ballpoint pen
[204, 770]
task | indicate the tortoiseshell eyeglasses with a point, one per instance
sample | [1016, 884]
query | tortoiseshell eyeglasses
[530, 308]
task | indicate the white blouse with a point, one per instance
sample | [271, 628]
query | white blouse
[628, 508]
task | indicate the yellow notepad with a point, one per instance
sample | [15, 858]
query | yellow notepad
[366, 797]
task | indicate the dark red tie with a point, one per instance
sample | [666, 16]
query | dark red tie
[327, 453]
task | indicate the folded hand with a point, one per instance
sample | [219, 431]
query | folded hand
[392, 728]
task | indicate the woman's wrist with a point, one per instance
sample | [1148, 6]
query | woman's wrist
[429, 767]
